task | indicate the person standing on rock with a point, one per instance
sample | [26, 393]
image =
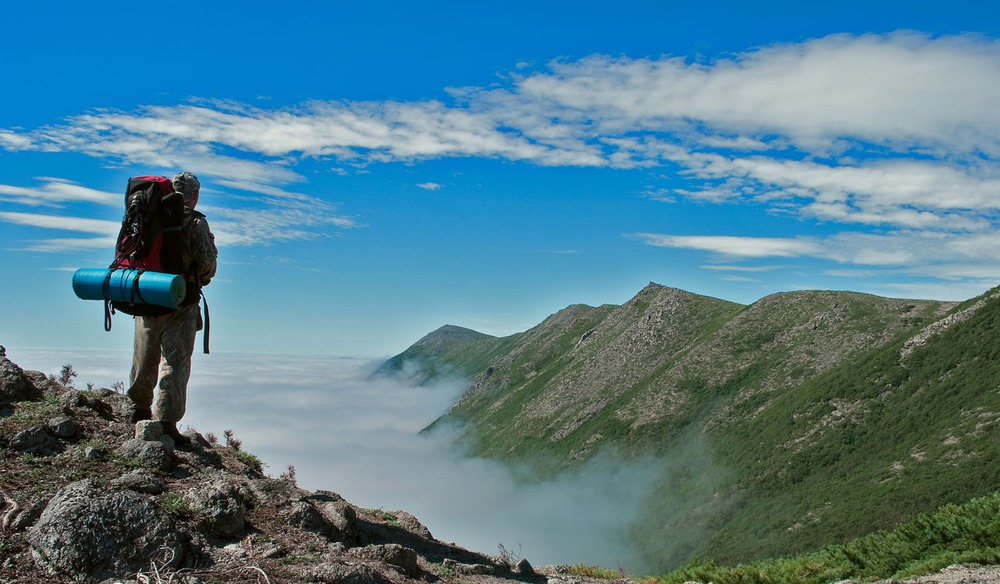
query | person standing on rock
[169, 339]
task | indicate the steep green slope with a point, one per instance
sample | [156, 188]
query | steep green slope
[633, 376]
[897, 431]
[804, 419]
[552, 399]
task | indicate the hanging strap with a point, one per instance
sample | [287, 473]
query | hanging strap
[208, 324]
[108, 310]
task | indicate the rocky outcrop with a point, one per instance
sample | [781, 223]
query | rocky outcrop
[15, 386]
[940, 326]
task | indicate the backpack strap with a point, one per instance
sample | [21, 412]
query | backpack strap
[207, 322]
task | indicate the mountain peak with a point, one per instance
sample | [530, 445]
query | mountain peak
[450, 333]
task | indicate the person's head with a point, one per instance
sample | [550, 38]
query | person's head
[188, 186]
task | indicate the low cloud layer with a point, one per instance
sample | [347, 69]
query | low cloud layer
[358, 437]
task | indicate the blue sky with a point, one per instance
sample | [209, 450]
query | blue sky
[375, 170]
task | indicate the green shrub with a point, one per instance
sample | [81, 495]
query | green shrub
[249, 459]
[586, 571]
[968, 533]
[176, 505]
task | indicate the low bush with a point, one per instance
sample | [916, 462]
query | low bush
[968, 534]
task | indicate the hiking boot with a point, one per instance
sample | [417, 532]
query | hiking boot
[140, 414]
[170, 429]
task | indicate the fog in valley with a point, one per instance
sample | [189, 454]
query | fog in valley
[345, 432]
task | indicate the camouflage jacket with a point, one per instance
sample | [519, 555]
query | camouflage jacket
[200, 254]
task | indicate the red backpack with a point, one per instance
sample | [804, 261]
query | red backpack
[150, 238]
[152, 228]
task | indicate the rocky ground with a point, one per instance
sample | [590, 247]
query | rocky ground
[955, 575]
[86, 496]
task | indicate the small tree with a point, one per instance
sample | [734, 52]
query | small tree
[66, 375]
[231, 440]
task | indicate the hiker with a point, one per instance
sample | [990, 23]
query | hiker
[169, 339]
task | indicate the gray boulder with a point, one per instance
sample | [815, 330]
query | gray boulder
[14, 385]
[149, 430]
[412, 524]
[469, 569]
[220, 505]
[140, 480]
[36, 440]
[156, 455]
[334, 573]
[94, 400]
[524, 568]
[402, 559]
[88, 529]
[305, 516]
[29, 438]
[62, 427]
[330, 515]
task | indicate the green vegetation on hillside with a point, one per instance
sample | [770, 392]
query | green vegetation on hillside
[868, 444]
[783, 427]
[967, 534]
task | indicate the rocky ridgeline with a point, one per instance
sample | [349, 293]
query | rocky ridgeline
[89, 497]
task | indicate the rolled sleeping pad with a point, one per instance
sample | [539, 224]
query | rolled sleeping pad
[153, 287]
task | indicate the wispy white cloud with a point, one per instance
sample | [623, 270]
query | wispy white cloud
[897, 132]
[63, 223]
[274, 214]
[70, 244]
[429, 186]
[732, 268]
[904, 92]
[108, 230]
[55, 191]
[277, 221]
[743, 247]
[902, 193]
[942, 256]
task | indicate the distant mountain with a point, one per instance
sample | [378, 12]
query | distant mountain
[803, 419]
[434, 355]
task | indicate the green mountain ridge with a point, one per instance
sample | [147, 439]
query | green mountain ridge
[804, 419]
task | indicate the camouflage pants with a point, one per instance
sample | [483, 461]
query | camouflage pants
[164, 343]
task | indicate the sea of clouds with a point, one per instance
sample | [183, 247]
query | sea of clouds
[359, 436]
